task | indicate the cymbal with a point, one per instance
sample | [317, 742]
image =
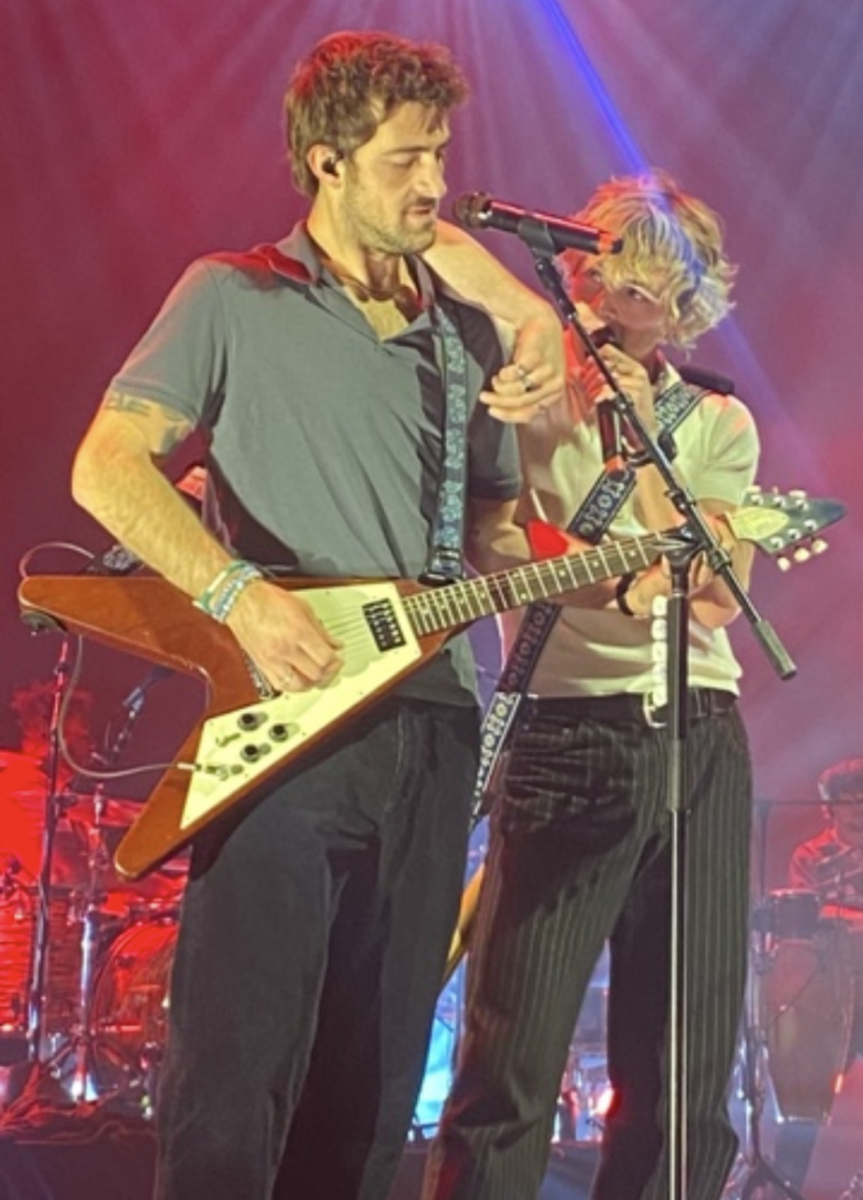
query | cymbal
[22, 823]
[86, 836]
[19, 771]
[14, 758]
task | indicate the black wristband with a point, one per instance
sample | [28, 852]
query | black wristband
[623, 585]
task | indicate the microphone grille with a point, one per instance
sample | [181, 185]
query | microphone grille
[471, 209]
[604, 336]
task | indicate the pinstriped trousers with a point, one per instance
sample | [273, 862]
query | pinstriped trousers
[579, 853]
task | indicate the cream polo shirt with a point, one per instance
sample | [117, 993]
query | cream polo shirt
[598, 652]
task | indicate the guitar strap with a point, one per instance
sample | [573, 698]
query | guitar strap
[590, 523]
[445, 559]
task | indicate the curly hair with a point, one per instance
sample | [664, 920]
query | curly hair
[843, 778]
[351, 82]
[666, 231]
[33, 705]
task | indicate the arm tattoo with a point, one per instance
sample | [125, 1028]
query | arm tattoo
[123, 402]
[171, 426]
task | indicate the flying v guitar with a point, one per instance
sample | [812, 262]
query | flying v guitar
[389, 628]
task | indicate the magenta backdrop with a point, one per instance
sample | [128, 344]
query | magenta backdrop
[137, 136]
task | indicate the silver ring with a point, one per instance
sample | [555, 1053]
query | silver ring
[526, 381]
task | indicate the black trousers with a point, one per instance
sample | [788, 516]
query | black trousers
[308, 963]
[579, 853]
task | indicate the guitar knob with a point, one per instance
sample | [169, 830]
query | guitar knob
[249, 721]
[252, 753]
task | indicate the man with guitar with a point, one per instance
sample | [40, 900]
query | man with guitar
[579, 846]
[338, 391]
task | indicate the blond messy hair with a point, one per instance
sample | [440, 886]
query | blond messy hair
[665, 232]
[351, 82]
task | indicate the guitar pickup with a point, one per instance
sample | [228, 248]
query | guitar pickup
[383, 625]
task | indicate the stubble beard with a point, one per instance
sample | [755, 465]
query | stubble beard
[375, 233]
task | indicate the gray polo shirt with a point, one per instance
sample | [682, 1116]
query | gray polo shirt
[324, 441]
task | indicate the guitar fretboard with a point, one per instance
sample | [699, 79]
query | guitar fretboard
[445, 607]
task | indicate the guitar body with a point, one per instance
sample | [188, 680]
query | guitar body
[243, 738]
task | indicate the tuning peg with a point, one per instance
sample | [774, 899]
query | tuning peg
[818, 546]
[783, 563]
[802, 554]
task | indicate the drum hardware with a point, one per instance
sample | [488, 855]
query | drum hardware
[753, 1170]
[585, 1092]
[52, 1005]
[782, 912]
[69, 984]
[808, 1008]
[129, 1011]
[54, 808]
[584, 1098]
[114, 1057]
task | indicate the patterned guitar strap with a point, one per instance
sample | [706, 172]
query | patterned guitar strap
[590, 523]
[445, 561]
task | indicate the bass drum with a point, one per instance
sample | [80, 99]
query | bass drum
[808, 996]
[130, 1010]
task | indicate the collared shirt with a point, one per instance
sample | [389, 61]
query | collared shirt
[324, 440]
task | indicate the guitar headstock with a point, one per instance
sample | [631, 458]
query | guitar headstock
[785, 521]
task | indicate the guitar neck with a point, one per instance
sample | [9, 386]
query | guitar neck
[436, 609]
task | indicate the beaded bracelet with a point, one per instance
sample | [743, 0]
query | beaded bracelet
[218, 600]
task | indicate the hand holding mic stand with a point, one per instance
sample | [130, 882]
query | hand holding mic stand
[546, 237]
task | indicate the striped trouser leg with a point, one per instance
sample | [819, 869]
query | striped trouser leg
[564, 853]
[579, 853]
[635, 1161]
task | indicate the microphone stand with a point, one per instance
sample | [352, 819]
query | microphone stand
[700, 539]
[53, 812]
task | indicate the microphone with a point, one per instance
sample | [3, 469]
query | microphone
[134, 702]
[477, 210]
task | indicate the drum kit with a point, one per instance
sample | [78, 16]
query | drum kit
[85, 956]
[804, 988]
[806, 971]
